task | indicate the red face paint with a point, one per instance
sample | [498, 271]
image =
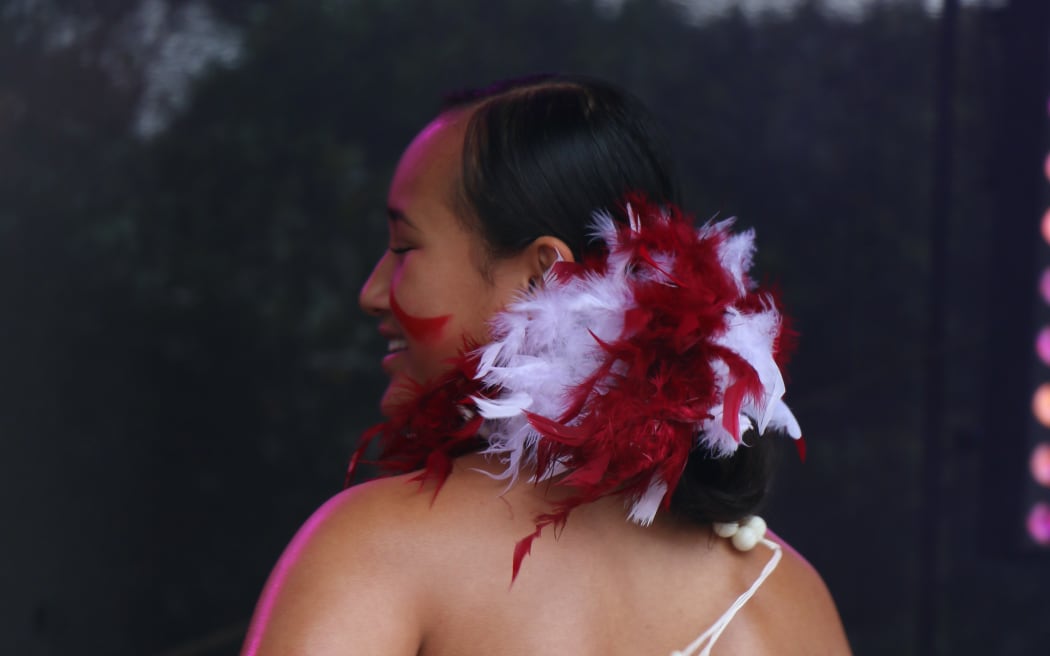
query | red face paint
[422, 329]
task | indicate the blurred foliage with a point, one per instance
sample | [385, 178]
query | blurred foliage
[184, 307]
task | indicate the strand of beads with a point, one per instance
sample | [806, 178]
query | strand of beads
[744, 534]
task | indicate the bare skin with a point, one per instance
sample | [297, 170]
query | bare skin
[388, 568]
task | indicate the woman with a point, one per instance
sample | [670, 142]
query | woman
[548, 368]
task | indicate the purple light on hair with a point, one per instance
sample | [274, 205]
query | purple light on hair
[1039, 463]
[1039, 523]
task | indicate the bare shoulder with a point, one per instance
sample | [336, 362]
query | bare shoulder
[346, 582]
[372, 568]
[797, 607]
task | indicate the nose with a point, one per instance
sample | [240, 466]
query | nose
[374, 297]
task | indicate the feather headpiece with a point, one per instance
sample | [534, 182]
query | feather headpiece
[613, 371]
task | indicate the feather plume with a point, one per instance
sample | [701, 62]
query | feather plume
[615, 370]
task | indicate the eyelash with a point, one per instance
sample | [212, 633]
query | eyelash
[400, 251]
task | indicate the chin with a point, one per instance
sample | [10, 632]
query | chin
[400, 391]
[393, 397]
[405, 386]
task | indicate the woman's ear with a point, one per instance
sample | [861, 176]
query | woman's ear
[543, 253]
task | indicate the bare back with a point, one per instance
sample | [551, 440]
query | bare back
[435, 573]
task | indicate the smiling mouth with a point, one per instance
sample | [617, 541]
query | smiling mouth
[395, 345]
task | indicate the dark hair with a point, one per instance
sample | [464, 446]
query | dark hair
[540, 156]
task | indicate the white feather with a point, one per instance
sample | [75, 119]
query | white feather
[736, 253]
[714, 437]
[644, 508]
[544, 344]
[751, 336]
[782, 419]
[507, 406]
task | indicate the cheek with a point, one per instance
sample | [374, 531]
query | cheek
[425, 330]
[441, 308]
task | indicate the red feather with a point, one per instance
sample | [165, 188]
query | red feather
[570, 435]
[733, 397]
[634, 419]
[522, 548]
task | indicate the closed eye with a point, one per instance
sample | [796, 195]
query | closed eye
[401, 251]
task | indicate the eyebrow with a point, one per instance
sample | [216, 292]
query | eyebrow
[397, 216]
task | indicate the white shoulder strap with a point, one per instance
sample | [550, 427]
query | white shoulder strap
[707, 638]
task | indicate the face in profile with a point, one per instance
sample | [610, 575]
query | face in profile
[428, 289]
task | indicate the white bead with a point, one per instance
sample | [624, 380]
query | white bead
[726, 530]
[745, 539]
[758, 525]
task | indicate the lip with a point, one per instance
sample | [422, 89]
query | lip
[389, 363]
[396, 347]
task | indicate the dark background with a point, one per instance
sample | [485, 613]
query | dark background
[191, 194]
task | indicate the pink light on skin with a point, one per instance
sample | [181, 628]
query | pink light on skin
[1042, 345]
[1044, 226]
[1039, 464]
[1041, 404]
[1039, 523]
[422, 329]
[1044, 285]
[295, 554]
